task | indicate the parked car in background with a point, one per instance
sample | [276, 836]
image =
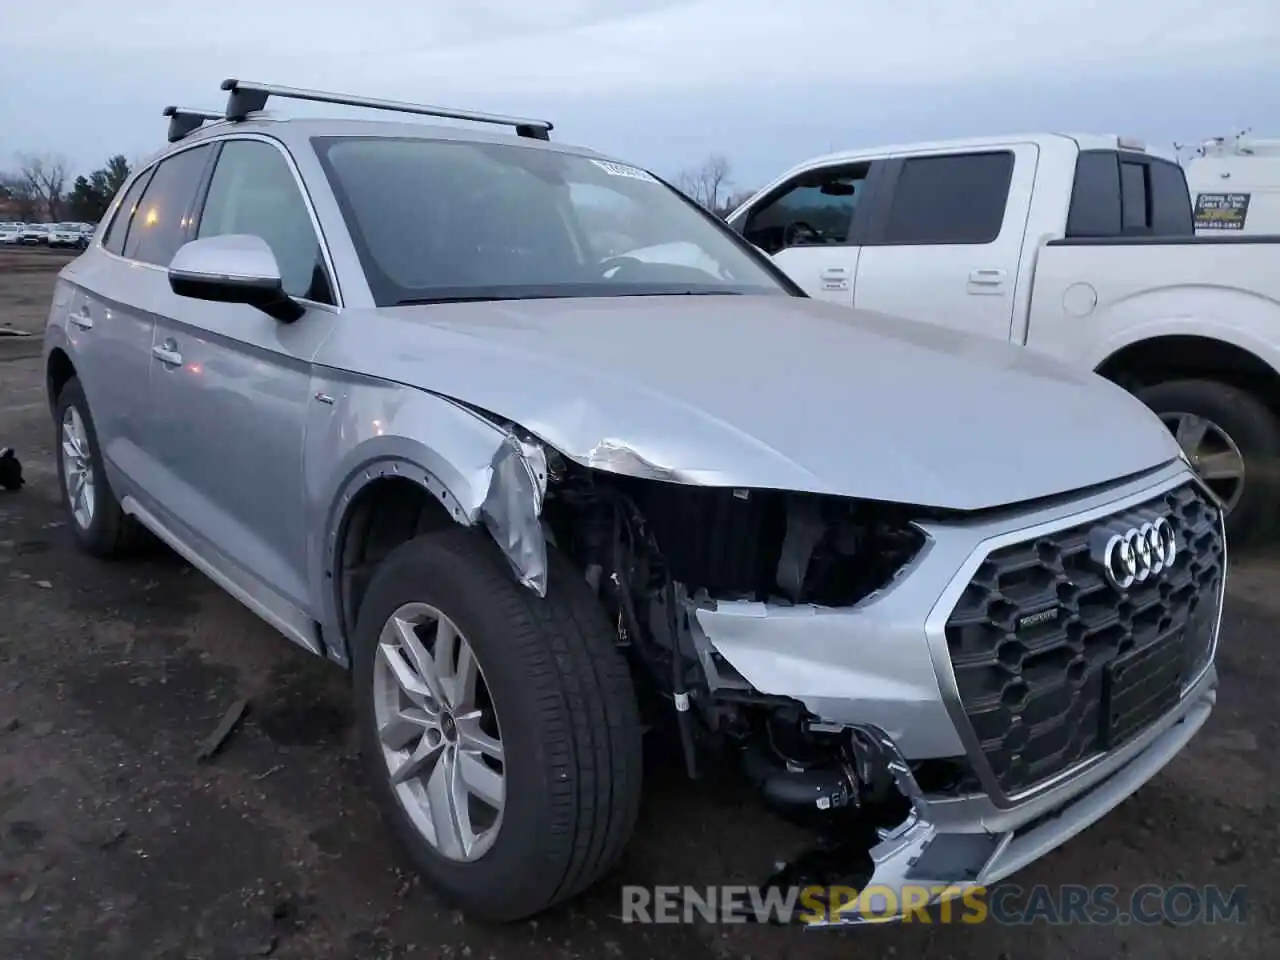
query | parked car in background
[1083, 248]
[10, 233]
[66, 235]
[943, 597]
[34, 234]
[1235, 186]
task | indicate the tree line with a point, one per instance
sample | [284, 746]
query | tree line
[36, 188]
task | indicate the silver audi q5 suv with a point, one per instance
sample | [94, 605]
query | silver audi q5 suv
[548, 458]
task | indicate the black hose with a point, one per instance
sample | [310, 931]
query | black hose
[679, 694]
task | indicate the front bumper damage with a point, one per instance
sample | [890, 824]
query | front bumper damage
[883, 672]
[947, 846]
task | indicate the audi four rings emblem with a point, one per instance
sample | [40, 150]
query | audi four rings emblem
[1134, 555]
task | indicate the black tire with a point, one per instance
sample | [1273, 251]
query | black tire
[111, 533]
[1253, 428]
[567, 708]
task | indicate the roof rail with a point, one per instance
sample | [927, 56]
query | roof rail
[185, 120]
[246, 97]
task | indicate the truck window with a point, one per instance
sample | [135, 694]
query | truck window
[956, 198]
[814, 208]
[1120, 194]
[1134, 208]
[1171, 210]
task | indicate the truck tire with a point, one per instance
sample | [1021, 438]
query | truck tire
[1235, 417]
[549, 689]
[98, 524]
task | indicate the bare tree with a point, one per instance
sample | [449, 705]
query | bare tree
[17, 195]
[709, 184]
[45, 179]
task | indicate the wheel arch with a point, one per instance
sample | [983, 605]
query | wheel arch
[1182, 356]
[58, 369]
[392, 488]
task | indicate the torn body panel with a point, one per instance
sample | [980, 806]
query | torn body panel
[478, 472]
[512, 509]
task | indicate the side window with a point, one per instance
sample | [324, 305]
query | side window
[161, 221]
[1171, 209]
[118, 229]
[814, 209]
[950, 199]
[253, 191]
[1095, 196]
[1135, 204]
[1118, 195]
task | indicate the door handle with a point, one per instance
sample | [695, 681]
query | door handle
[987, 277]
[82, 319]
[835, 273]
[167, 352]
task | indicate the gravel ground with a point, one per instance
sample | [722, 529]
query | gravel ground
[116, 843]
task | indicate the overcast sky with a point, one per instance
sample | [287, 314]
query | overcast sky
[662, 83]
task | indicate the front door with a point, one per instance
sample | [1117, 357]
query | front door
[806, 225]
[230, 385]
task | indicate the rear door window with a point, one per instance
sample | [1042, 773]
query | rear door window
[162, 223]
[951, 199]
[118, 229]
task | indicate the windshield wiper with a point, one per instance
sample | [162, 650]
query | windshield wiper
[422, 301]
[481, 298]
[682, 293]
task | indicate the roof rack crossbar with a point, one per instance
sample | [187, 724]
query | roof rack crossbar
[186, 120]
[245, 97]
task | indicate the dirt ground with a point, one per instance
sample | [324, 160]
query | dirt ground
[116, 843]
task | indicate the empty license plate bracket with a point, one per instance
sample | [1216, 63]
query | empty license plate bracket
[1140, 687]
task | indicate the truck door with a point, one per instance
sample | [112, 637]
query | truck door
[943, 241]
[807, 224]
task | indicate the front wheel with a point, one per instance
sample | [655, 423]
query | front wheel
[1233, 442]
[499, 730]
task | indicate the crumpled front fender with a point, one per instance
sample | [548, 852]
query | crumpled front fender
[480, 471]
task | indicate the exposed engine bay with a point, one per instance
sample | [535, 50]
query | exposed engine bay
[654, 551]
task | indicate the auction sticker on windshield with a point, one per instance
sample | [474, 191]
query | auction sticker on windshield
[622, 170]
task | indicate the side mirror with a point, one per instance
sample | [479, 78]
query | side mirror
[233, 268]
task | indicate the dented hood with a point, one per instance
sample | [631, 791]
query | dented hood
[777, 392]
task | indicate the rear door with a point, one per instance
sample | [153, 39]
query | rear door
[109, 339]
[944, 235]
[809, 225]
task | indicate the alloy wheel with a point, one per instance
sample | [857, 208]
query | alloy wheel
[77, 468]
[1212, 452]
[439, 732]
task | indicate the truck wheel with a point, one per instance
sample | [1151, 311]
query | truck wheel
[1233, 441]
[500, 731]
[100, 527]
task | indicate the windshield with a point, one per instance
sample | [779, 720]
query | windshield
[438, 220]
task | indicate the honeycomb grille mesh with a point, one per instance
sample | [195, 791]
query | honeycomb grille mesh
[1036, 696]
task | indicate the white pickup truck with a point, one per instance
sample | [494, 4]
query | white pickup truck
[1083, 247]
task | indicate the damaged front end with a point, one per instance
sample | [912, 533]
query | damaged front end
[663, 555]
[815, 645]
